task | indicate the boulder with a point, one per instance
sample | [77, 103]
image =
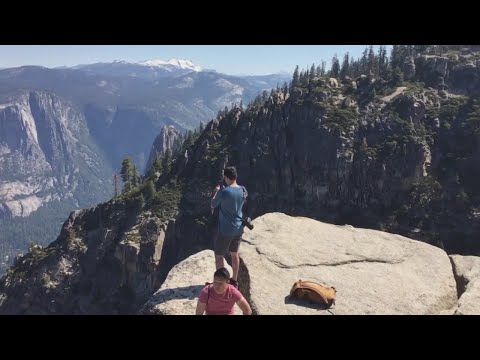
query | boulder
[466, 270]
[374, 272]
[178, 295]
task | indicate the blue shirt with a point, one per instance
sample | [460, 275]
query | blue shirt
[230, 200]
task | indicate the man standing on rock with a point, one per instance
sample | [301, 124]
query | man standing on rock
[230, 200]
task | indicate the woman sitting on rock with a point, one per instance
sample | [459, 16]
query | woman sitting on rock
[220, 297]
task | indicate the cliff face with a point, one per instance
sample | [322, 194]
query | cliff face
[106, 260]
[169, 138]
[49, 164]
[391, 166]
[467, 274]
[457, 72]
[103, 262]
[45, 153]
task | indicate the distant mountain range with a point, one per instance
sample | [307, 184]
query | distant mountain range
[64, 130]
[173, 92]
[147, 70]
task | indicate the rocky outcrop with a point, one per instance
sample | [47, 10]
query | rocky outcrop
[169, 138]
[409, 69]
[467, 274]
[458, 74]
[179, 293]
[465, 78]
[309, 158]
[313, 160]
[105, 261]
[373, 272]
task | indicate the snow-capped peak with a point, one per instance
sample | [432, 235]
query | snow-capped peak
[179, 63]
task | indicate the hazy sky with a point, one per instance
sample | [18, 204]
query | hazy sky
[229, 59]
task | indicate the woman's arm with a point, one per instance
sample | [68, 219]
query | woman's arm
[244, 306]
[201, 307]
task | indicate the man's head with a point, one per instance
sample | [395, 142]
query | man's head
[230, 175]
[220, 280]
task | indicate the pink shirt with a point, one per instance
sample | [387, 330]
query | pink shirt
[220, 304]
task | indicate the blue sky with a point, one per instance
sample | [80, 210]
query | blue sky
[229, 59]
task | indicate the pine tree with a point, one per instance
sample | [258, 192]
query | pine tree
[157, 163]
[115, 184]
[306, 78]
[134, 177]
[345, 70]
[404, 51]
[364, 62]
[188, 139]
[371, 64]
[295, 79]
[373, 94]
[324, 68]
[264, 95]
[125, 172]
[257, 101]
[335, 70]
[355, 68]
[150, 190]
[301, 78]
[410, 50]
[195, 132]
[394, 57]
[418, 49]
[312, 73]
[140, 202]
[382, 61]
[397, 76]
[167, 161]
[126, 169]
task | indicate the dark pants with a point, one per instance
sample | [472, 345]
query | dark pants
[224, 242]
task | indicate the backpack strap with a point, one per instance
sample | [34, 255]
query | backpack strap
[208, 293]
[245, 192]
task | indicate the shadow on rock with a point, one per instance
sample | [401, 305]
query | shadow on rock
[306, 303]
[185, 292]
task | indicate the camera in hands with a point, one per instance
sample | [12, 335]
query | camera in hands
[248, 222]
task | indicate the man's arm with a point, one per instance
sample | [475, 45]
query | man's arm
[216, 197]
[244, 306]
[200, 308]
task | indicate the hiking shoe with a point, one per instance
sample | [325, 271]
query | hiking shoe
[234, 283]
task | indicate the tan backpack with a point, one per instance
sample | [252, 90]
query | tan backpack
[313, 292]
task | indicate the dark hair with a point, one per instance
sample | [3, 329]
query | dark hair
[230, 172]
[222, 273]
